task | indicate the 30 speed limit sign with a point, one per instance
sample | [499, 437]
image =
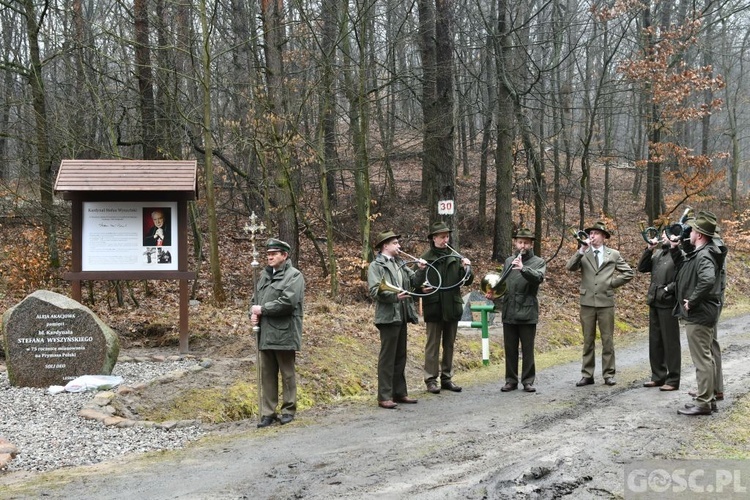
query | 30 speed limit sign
[446, 207]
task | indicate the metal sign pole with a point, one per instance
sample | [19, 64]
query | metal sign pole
[254, 228]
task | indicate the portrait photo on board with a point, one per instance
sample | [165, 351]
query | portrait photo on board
[156, 227]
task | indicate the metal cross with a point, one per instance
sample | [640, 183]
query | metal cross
[253, 228]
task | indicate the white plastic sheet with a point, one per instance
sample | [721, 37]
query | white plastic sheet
[88, 383]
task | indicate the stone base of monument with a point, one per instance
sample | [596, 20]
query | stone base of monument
[50, 339]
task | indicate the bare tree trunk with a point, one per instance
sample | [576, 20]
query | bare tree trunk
[637, 142]
[219, 297]
[654, 195]
[272, 12]
[329, 14]
[355, 80]
[7, 85]
[489, 96]
[501, 242]
[708, 94]
[732, 100]
[443, 156]
[428, 50]
[557, 113]
[142, 54]
[36, 82]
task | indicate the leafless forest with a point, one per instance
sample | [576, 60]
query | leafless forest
[298, 110]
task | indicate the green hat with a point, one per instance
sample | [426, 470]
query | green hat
[599, 226]
[274, 245]
[704, 223]
[525, 233]
[437, 228]
[383, 237]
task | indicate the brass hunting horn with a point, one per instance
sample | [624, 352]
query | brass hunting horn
[495, 283]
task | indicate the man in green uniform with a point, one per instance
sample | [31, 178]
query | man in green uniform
[277, 308]
[699, 289]
[520, 311]
[394, 310]
[602, 271]
[443, 310]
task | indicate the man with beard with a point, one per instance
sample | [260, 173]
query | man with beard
[698, 305]
[520, 311]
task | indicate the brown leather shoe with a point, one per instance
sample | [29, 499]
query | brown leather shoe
[653, 384]
[406, 400]
[667, 387]
[388, 405]
[451, 386]
[694, 410]
[509, 387]
[433, 388]
[585, 381]
[529, 388]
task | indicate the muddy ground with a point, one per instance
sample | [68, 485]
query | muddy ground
[561, 442]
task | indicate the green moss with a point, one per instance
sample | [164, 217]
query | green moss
[560, 334]
[622, 326]
[239, 401]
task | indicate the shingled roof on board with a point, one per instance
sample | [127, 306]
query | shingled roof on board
[126, 175]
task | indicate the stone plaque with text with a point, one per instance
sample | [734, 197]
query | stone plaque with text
[50, 339]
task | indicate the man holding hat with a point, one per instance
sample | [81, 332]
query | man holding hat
[388, 281]
[602, 271]
[699, 289]
[520, 311]
[277, 308]
[443, 309]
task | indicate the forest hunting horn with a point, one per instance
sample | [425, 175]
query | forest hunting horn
[650, 234]
[495, 283]
[468, 268]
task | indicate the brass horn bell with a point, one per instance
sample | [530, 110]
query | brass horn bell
[387, 287]
[493, 282]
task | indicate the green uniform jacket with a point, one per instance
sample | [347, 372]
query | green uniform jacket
[598, 284]
[445, 305]
[281, 296]
[388, 309]
[661, 290]
[699, 281]
[520, 304]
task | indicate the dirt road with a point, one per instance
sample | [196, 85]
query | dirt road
[481, 443]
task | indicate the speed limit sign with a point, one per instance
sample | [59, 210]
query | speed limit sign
[446, 207]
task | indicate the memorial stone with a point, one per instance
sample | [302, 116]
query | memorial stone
[50, 339]
[475, 297]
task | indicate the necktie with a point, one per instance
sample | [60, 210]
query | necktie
[596, 256]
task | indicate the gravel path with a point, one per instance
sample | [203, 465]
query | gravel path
[50, 434]
[561, 442]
